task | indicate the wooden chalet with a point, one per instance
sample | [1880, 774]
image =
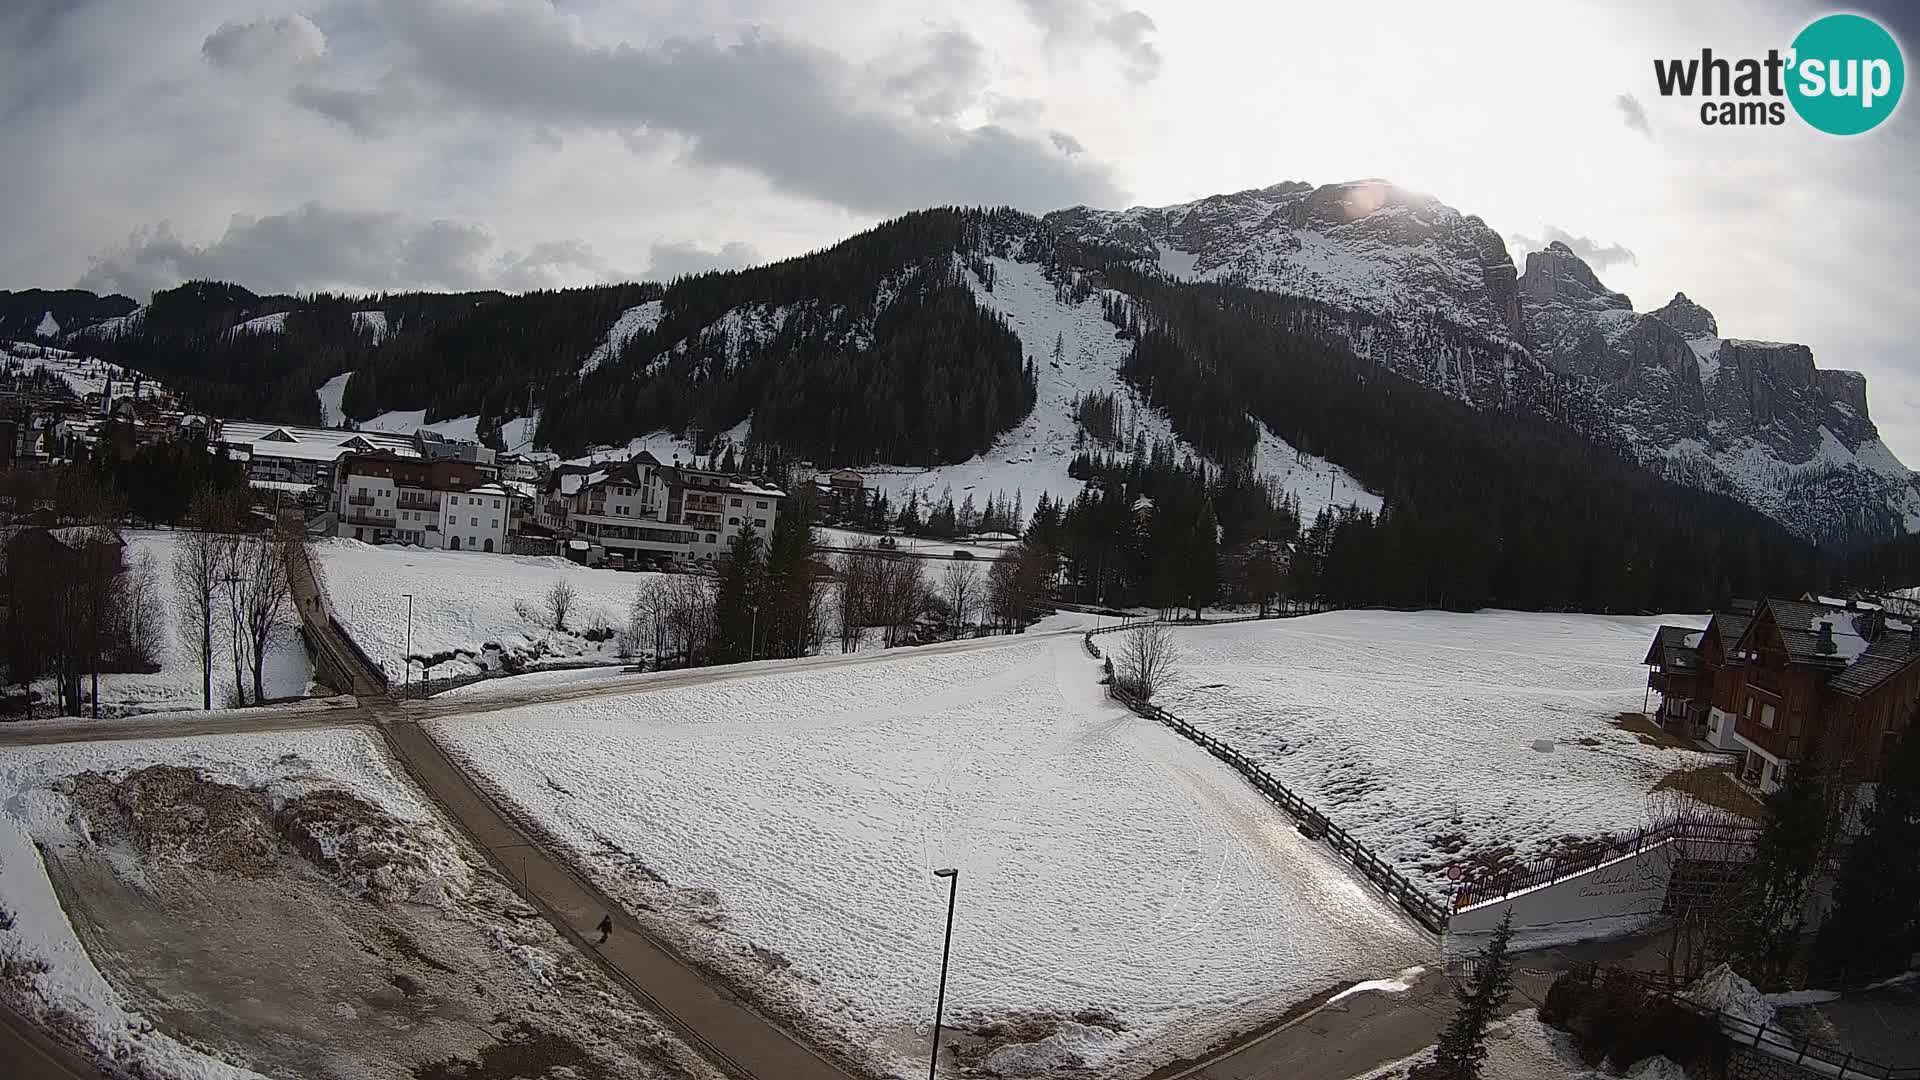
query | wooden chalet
[1772, 681]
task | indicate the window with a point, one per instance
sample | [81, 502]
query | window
[1766, 716]
[733, 521]
[736, 502]
[475, 522]
[710, 538]
[761, 505]
[496, 523]
[496, 504]
[760, 523]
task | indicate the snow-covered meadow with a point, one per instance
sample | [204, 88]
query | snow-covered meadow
[177, 685]
[1128, 892]
[1415, 731]
[467, 606]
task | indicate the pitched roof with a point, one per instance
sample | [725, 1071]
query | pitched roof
[1731, 627]
[1799, 625]
[1675, 647]
[1892, 653]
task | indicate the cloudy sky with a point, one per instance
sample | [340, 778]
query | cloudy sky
[523, 143]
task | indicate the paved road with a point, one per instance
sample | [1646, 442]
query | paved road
[714, 1021]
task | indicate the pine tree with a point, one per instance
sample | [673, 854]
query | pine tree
[737, 597]
[1875, 923]
[1785, 856]
[1463, 1046]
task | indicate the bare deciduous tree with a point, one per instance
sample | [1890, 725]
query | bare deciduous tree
[142, 614]
[264, 598]
[560, 601]
[957, 588]
[198, 559]
[1145, 659]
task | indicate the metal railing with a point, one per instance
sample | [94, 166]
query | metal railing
[1815, 1058]
[1550, 870]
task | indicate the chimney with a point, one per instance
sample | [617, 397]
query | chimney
[1824, 643]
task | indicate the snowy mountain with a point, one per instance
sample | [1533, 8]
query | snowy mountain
[1754, 420]
[953, 349]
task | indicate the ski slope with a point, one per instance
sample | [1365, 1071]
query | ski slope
[1033, 457]
[783, 828]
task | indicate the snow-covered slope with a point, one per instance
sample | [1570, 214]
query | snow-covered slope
[371, 322]
[275, 323]
[1033, 457]
[636, 320]
[330, 393]
[83, 374]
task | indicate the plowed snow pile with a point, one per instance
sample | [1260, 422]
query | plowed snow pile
[284, 905]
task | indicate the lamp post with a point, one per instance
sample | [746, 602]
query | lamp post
[406, 658]
[940, 1004]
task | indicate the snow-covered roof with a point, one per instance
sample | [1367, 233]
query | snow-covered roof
[307, 443]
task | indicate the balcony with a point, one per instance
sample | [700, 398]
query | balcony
[368, 519]
[416, 502]
[360, 500]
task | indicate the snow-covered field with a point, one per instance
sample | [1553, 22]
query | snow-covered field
[1415, 731]
[1129, 895]
[464, 606]
[294, 909]
[177, 685]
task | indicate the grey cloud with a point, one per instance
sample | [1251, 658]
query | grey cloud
[285, 40]
[1128, 32]
[1591, 251]
[946, 76]
[677, 258]
[319, 247]
[1633, 113]
[358, 111]
[1066, 143]
[799, 116]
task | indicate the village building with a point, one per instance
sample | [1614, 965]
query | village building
[289, 457]
[447, 503]
[640, 511]
[1772, 680]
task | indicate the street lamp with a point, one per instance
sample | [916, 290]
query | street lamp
[940, 1004]
[406, 658]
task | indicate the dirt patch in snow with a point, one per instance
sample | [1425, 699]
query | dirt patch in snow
[299, 929]
[1024, 1042]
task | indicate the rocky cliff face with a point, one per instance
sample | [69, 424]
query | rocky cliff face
[1755, 420]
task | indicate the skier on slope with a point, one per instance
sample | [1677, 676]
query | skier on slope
[605, 928]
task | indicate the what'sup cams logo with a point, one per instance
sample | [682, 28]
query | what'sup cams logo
[1843, 75]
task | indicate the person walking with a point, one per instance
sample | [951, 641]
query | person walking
[605, 928]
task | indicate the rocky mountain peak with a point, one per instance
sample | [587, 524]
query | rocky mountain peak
[1689, 318]
[1556, 276]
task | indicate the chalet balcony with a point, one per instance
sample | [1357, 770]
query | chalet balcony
[417, 502]
[360, 500]
[367, 519]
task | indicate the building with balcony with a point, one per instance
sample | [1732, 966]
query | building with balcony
[1783, 676]
[444, 503]
[640, 511]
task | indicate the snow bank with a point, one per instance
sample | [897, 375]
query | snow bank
[784, 827]
[1724, 989]
[464, 606]
[1415, 731]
